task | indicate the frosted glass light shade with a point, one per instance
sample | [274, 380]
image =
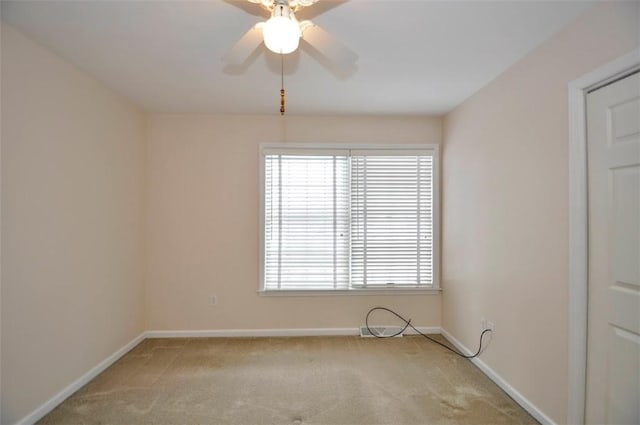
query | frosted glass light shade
[281, 32]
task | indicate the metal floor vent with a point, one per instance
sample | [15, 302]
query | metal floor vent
[382, 331]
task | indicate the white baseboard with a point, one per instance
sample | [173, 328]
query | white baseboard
[54, 401]
[423, 329]
[217, 333]
[499, 381]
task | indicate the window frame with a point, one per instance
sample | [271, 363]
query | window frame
[301, 148]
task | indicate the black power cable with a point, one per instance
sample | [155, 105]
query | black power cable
[408, 324]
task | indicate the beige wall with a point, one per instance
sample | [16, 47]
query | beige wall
[202, 234]
[505, 184]
[72, 224]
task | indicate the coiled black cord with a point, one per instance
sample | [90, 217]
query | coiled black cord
[408, 324]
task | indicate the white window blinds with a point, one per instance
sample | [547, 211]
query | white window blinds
[348, 219]
[391, 220]
[306, 222]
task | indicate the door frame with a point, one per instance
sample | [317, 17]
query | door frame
[578, 223]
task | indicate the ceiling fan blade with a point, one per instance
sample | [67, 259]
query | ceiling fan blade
[333, 50]
[300, 3]
[247, 6]
[318, 8]
[245, 46]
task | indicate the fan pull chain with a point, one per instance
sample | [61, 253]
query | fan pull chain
[281, 84]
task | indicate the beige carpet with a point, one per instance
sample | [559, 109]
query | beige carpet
[311, 380]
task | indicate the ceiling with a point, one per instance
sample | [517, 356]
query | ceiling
[415, 57]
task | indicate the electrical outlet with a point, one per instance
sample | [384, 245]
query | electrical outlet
[486, 324]
[213, 300]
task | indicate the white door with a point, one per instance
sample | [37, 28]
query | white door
[613, 354]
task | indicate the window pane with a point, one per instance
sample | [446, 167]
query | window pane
[306, 222]
[391, 220]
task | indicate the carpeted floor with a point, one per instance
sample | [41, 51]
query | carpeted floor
[311, 380]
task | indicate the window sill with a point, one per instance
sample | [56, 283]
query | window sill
[332, 292]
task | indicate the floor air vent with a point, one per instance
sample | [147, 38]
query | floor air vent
[381, 331]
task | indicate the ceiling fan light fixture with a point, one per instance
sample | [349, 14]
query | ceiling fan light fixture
[281, 32]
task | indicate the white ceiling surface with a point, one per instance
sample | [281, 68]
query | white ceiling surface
[415, 57]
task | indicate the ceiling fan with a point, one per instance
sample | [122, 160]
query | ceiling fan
[282, 33]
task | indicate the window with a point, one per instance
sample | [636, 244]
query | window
[349, 219]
